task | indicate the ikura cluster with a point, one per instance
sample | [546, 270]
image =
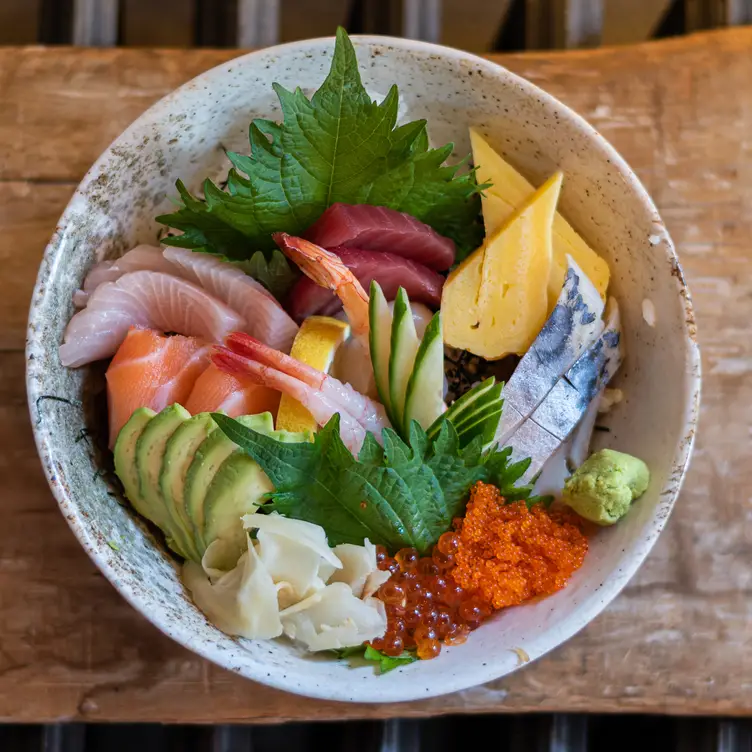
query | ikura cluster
[499, 555]
[425, 607]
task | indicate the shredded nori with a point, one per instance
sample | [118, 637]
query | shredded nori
[463, 370]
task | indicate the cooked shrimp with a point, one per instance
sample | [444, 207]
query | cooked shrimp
[322, 409]
[369, 413]
[327, 270]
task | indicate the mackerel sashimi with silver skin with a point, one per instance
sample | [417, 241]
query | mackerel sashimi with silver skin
[287, 418]
[572, 326]
[557, 415]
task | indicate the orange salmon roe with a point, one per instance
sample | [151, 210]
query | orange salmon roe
[498, 555]
[508, 554]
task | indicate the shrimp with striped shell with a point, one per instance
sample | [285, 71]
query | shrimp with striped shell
[369, 413]
[352, 433]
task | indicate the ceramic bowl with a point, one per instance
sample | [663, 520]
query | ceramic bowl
[183, 136]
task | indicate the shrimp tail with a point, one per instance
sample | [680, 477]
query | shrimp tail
[328, 270]
[325, 268]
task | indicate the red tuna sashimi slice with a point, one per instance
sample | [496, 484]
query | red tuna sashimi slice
[423, 285]
[140, 258]
[148, 300]
[376, 228]
[265, 318]
[217, 391]
[151, 370]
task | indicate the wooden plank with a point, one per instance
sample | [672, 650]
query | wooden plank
[62, 108]
[677, 640]
[28, 215]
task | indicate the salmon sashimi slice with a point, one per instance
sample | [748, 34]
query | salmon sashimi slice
[218, 391]
[147, 300]
[152, 370]
[264, 316]
[376, 228]
[140, 258]
[422, 285]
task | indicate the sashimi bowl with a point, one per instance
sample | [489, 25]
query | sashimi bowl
[542, 261]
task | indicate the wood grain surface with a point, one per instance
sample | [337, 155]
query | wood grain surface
[679, 639]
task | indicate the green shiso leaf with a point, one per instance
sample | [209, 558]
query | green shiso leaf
[339, 146]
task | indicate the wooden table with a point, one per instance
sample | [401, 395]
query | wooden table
[678, 640]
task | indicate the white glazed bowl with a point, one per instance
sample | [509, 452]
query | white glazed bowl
[182, 136]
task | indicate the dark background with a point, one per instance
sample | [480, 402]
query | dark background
[476, 25]
[503, 733]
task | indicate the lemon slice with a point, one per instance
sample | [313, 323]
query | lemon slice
[315, 345]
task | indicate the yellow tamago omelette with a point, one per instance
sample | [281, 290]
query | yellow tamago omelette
[496, 301]
[510, 190]
[315, 344]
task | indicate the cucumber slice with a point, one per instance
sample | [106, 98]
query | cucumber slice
[424, 400]
[476, 412]
[380, 319]
[481, 424]
[404, 347]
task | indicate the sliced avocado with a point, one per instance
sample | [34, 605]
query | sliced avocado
[424, 394]
[179, 453]
[209, 456]
[380, 320]
[150, 450]
[125, 455]
[237, 488]
[404, 346]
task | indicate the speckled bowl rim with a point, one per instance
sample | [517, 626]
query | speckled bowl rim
[552, 638]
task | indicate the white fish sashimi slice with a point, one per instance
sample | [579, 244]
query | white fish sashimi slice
[100, 273]
[144, 299]
[265, 317]
[140, 258]
[80, 298]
